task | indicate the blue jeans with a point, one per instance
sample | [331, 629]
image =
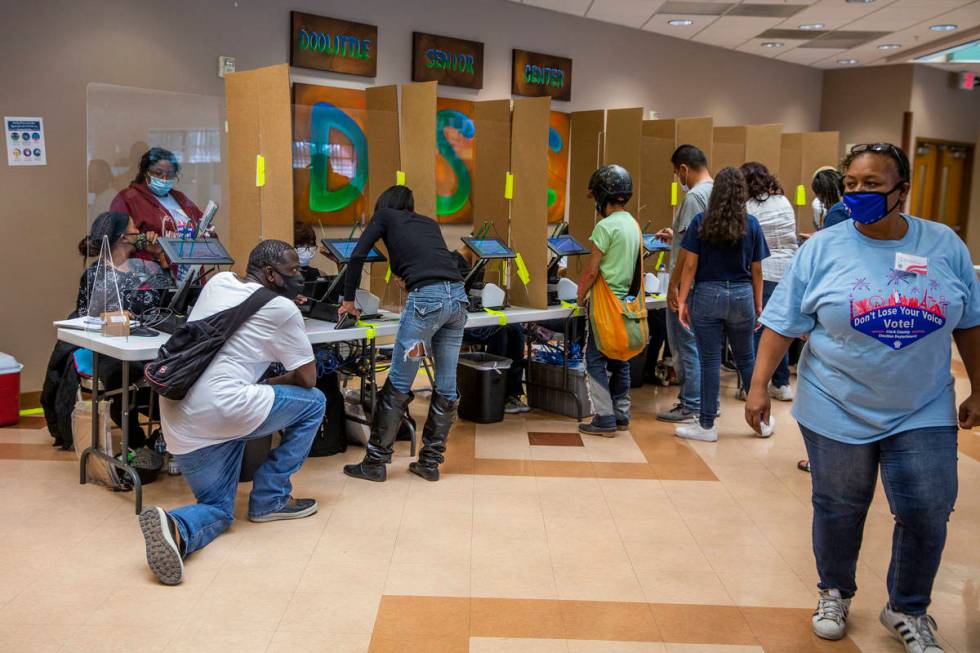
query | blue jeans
[609, 386]
[918, 472]
[435, 316]
[780, 377]
[684, 350]
[212, 472]
[721, 309]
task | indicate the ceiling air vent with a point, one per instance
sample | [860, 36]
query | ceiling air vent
[766, 11]
[695, 8]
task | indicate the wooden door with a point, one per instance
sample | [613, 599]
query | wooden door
[950, 206]
[924, 180]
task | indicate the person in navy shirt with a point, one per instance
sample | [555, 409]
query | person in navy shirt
[724, 248]
[881, 298]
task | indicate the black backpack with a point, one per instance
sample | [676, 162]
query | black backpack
[192, 347]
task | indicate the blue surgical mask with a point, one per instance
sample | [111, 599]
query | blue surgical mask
[160, 187]
[306, 255]
[869, 207]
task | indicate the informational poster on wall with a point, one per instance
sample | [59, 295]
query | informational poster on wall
[25, 141]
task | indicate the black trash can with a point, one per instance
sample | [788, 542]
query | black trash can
[482, 382]
[256, 452]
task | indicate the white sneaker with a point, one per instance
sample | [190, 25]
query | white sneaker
[697, 432]
[780, 392]
[914, 632]
[740, 394]
[830, 618]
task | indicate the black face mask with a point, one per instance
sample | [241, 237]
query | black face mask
[291, 286]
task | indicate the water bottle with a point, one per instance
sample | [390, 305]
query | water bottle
[172, 468]
[160, 446]
[663, 278]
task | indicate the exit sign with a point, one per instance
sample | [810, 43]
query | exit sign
[966, 81]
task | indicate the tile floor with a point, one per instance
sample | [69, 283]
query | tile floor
[635, 544]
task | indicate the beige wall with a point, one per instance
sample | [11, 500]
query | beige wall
[866, 104]
[941, 111]
[174, 47]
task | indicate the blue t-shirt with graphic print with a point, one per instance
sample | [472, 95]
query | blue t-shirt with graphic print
[880, 315]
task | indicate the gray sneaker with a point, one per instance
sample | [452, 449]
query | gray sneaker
[162, 553]
[914, 632]
[294, 509]
[830, 618]
[678, 415]
[514, 406]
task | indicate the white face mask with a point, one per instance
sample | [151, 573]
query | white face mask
[306, 255]
[684, 186]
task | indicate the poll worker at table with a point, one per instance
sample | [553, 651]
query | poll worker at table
[881, 297]
[140, 284]
[431, 325]
[206, 431]
[153, 202]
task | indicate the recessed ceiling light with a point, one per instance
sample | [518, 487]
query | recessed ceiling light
[943, 28]
[860, 2]
[889, 46]
[809, 26]
[772, 44]
[680, 22]
[847, 62]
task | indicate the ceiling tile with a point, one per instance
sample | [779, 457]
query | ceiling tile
[896, 17]
[633, 13]
[754, 46]
[577, 7]
[732, 31]
[834, 13]
[660, 24]
[808, 56]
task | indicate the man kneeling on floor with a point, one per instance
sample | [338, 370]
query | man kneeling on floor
[206, 431]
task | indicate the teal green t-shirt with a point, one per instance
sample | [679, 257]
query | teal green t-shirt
[618, 238]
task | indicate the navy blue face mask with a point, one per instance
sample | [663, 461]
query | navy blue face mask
[869, 207]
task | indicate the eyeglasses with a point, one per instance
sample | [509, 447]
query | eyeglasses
[896, 154]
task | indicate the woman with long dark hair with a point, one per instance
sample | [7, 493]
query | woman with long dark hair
[153, 203]
[828, 186]
[723, 263]
[777, 217]
[431, 325]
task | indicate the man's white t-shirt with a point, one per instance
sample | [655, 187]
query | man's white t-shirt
[226, 402]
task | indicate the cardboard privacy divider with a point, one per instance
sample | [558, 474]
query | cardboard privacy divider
[258, 108]
[734, 146]
[384, 162]
[587, 147]
[529, 208]
[800, 156]
[417, 138]
[657, 174]
[624, 145]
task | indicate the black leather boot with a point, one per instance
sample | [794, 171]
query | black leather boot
[385, 420]
[442, 414]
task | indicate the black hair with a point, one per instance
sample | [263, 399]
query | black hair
[828, 186]
[725, 220]
[150, 157]
[761, 183]
[399, 198]
[303, 235]
[893, 153]
[690, 156]
[267, 253]
[111, 224]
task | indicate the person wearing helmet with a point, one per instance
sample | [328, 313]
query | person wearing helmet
[615, 246]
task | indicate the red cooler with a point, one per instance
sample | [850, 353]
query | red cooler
[9, 389]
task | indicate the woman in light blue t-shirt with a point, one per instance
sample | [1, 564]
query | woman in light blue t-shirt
[881, 297]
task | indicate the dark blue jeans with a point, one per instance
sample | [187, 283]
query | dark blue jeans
[721, 309]
[918, 471]
[609, 386]
[212, 472]
[781, 376]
